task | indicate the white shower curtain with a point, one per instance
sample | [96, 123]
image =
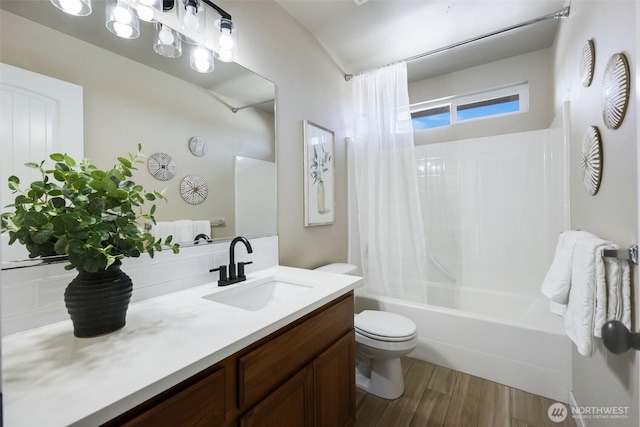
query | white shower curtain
[392, 240]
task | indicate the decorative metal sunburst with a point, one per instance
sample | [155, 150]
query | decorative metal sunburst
[587, 63]
[615, 91]
[591, 160]
[193, 189]
[161, 166]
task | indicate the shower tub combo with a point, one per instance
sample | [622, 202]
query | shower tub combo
[493, 209]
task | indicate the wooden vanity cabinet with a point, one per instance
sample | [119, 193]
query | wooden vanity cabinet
[300, 375]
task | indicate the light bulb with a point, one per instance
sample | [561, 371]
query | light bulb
[202, 60]
[71, 6]
[122, 14]
[123, 29]
[165, 36]
[202, 64]
[225, 55]
[201, 53]
[226, 41]
[144, 12]
[190, 19]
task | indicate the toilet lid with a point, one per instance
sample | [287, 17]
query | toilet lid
[383, 324]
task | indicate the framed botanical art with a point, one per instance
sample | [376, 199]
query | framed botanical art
[319, 171]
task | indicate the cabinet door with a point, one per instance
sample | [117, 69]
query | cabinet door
[290, 405]
[334, 384]
[202, 404]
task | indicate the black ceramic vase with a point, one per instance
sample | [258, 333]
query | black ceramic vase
[97, 302]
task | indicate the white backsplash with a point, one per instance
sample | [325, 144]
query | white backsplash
[33, 297]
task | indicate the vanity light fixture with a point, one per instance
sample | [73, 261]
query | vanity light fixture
[175, 21]
[120, 20]
[74, 7]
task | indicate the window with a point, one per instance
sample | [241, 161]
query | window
[431, 118]
[445, 112]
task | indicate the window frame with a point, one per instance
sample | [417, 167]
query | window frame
[454, 102]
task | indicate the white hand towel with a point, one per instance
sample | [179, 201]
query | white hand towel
[184, 231]
[608, 281]
[598, 286]
[557, 282]
[559, 309]
[580, 315]
[162, 229]
[617, 294]
[201, 227]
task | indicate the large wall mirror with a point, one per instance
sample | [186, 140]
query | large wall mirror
[132, 95]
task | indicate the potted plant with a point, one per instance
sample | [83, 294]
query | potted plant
[93, 217]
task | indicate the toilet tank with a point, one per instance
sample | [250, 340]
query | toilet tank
[339, 268]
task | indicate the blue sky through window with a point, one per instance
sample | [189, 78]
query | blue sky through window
[432, 121]
[488, 110]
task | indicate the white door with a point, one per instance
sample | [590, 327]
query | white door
[39, 115]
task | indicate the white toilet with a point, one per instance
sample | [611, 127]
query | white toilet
[382, 338]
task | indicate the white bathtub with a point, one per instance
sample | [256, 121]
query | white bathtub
[505, 338]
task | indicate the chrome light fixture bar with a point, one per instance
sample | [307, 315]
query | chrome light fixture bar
[175, 21]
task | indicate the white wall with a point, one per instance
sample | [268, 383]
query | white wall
[605, 379]
[309, 86]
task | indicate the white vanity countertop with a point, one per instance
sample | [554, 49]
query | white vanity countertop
[51, 378]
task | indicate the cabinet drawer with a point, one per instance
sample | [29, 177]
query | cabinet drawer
[201, 404]
[262, 369]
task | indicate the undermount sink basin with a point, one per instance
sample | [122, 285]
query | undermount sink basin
[257, 297]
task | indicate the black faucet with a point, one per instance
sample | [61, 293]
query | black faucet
[236, 274]
[201, 236]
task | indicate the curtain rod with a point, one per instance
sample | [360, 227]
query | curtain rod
[255, 104]
[562, 13]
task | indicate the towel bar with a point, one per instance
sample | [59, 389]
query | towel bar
[630, 254]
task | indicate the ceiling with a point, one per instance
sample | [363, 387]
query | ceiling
[358, 37]
[380, 32]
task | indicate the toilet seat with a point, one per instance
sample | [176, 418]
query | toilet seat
[384, 326]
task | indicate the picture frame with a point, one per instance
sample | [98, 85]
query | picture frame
[319, 174]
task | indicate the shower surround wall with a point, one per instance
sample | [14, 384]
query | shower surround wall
[493, 209]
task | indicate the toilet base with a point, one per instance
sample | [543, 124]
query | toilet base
[380, 377]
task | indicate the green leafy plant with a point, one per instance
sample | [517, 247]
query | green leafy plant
[91, 215]
[319, 164]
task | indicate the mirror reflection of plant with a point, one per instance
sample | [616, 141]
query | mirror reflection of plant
[91, 215]
[319, 164]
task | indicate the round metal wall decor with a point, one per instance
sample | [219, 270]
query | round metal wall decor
[193, 189]
[198, 146]
[587, 62]
[591, 160]
[161, 166]
[615, 91]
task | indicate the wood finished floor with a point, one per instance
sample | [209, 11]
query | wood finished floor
[437, 396]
